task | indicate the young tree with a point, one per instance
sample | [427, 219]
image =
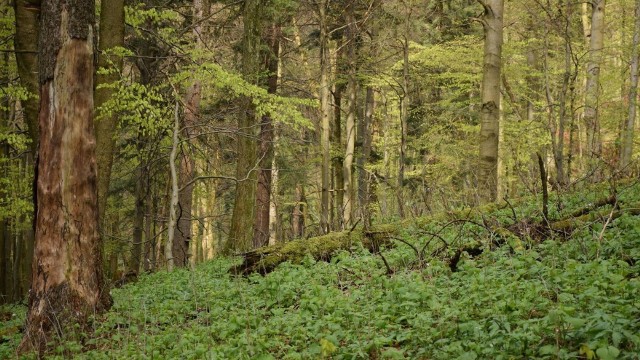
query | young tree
[627, 140]
[67, 282]
[592, 89]
[490, 112]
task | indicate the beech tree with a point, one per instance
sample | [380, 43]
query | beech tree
[490, 112]
[67, 284]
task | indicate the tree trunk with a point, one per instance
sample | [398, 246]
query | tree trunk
[490, 112]
[243, 218]
[351, 92]
[149, 239]
[297, 218]
[175, 192]
[138, 220]
[336, 139]
[266, 139]
[68, 284]
[26, 42]
[404, 114]
[111, 36]
[324, 111]
[629, 129]
[366, 140]
[592, 88]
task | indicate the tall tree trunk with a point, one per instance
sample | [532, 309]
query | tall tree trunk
[366, 140]
[592, 87]
[338, 188]
[243, 218]
[351, 91]
[325, 117]
[404, 115]
[297, 218]
[64, 290]
[26, 42]
[187, 162]
[490, 112]
[629, 129]
[111, 36]
[175, 191]
[266, 139]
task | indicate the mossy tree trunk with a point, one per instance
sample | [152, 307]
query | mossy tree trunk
[68, 284]
[244, 209]
[351, 92]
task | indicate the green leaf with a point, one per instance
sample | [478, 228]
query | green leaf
[608, 353]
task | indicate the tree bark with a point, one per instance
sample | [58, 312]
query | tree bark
[404, 114]
[325, 117]
[26, 42]
[351, 92]
[490, 111]
[366, 141]
[175, 192]
[592, 87]
[629, 129]
[266, 142]
[338, 188]
[138, 220]
[243, 218]
[111, 36]
[68, 284]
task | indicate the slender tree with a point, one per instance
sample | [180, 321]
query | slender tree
[111, 33]
[67, 284]
[629, 129]
[325, 68]
[490, 112]
[592, 87]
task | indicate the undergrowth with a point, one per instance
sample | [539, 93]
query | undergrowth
[567, 297]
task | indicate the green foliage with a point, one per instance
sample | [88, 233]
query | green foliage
[559, 299]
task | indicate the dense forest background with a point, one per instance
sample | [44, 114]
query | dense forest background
[345, 112]
[225, 126]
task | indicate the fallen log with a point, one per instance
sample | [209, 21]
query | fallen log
[322, 248]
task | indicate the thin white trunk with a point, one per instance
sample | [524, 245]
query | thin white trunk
[168, 247]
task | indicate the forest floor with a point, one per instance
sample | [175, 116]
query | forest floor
[490, 285]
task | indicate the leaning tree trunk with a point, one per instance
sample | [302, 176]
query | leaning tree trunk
[68, 284]
[592, 89]
[629, 130]
[490, 112]
[111, 36]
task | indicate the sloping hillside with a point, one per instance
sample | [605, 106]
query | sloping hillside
[489, 285]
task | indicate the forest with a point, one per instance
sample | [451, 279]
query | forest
[318, 179]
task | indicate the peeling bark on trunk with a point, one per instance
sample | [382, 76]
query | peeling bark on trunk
[490, 112]
[67, 284]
